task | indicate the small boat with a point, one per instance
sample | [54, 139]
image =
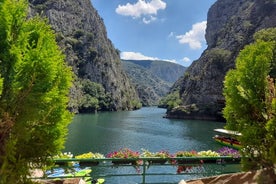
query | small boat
[227, 138]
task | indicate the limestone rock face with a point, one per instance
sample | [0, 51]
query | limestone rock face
[82, 36]
[230, 26]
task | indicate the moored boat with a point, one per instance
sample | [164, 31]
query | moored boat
[227, 138]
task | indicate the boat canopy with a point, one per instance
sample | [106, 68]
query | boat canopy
[229, 132]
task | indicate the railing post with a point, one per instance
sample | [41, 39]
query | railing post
[144, 172]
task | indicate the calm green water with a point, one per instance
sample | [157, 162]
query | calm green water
[145, 128]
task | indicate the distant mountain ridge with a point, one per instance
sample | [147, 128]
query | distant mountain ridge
[152, 79]
[165, 70]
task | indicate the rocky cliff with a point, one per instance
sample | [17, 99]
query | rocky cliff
[82, 36]
[230, 26]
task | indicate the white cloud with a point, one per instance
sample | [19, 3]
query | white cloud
[186, 59]
[195, 37]
[139, 56]
[135, 56]
[142, 8]
[149, 20]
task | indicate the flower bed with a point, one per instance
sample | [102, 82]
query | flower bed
[160, 157]
[226, 151]
[124, 153]
[89, 155]
[128, 154]
[185, 160]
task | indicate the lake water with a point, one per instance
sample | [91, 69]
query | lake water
[144, 128]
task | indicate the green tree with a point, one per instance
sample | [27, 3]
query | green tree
[94, 98]
[34, 93]
[249, 91]
[170, 101]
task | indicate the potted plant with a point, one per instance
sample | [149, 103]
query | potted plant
[128, 156]
[186, 157]
[86, 159]
[186, 154]
[187, 161]
[226, 151]
[160, 157]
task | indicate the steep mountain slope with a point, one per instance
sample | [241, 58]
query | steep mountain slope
[230, 26]
[82, 36]
[165, 70]
[152, 79]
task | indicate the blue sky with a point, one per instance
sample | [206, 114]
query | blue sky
[170, 30]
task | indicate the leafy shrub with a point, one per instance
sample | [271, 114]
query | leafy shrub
[170, 101]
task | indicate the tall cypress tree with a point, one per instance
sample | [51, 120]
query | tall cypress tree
[250, 95]
[35, 82]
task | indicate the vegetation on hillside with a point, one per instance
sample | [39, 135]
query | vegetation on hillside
[95, 98]
[170, 101]
[149, 86]
[165, 70]
[251, 101]
[35, 83]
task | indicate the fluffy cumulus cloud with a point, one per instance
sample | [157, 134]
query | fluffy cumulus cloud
[139, 56]
[135, 56]
[195, 37]
[142, 8]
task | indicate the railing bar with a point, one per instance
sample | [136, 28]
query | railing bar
[146, 174]
[144, 158]
[146, 165]
[162, 183]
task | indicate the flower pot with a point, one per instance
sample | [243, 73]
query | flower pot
[88, 163]
[61, 163]
[189, 161]
[157, 161]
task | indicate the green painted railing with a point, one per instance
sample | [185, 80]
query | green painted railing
[144, 163]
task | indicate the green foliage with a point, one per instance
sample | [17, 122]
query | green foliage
[268, 35]
[136, 104]
[95, 98]
[217, 57]
[33, 103]
[249, 91]
[90, 102]
[170, 101]
[218, 54]
[271, 133]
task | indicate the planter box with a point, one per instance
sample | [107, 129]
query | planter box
[88, 163]
[157, 161]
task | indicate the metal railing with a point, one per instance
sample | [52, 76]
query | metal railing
[144, 163]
